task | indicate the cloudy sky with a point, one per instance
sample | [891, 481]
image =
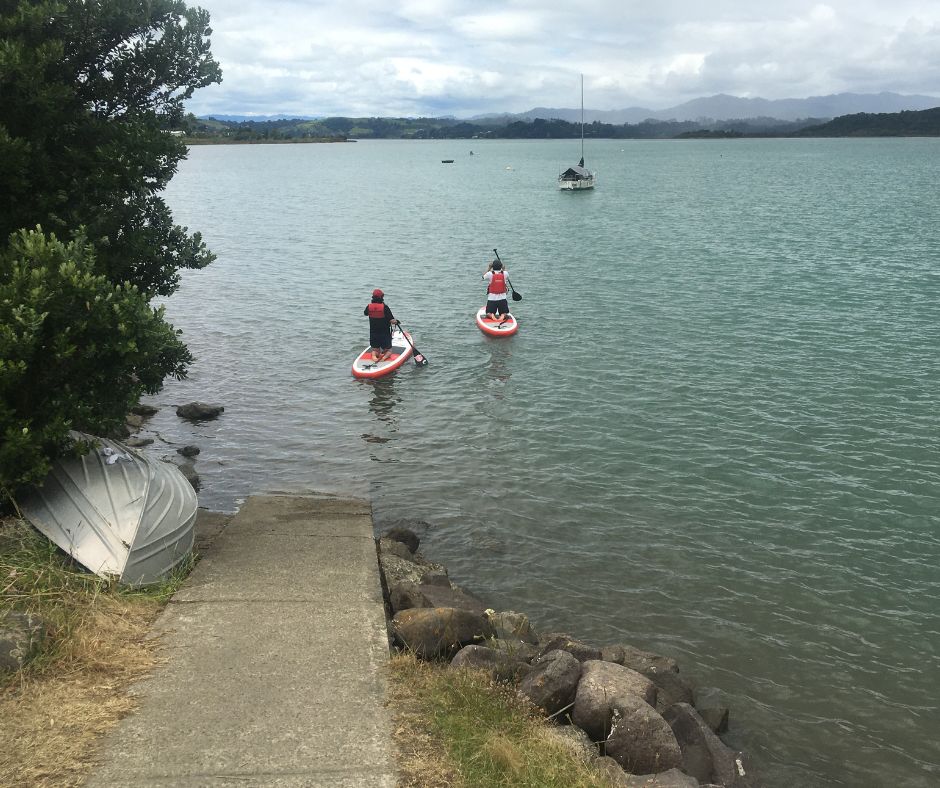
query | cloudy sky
[468, 57]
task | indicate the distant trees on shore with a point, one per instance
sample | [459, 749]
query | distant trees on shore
[913, 123]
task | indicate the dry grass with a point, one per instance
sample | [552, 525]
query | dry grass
[457, 728]
[55, 710]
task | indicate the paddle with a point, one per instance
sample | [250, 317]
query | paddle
[419, 357]
[515, 296]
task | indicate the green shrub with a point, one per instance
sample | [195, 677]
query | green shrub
[76, 351]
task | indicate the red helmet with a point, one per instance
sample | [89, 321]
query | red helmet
[378, 293]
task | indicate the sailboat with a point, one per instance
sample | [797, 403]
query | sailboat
[578, 177]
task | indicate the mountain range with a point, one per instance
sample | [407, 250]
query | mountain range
[725, 107]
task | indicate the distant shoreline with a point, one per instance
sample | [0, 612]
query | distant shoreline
[227, 141]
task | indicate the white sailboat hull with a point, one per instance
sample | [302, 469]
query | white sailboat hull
[582, 183]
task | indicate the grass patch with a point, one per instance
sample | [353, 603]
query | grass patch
[54, 710]
[459, 728]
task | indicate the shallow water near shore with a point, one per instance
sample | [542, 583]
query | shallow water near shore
[715, 436]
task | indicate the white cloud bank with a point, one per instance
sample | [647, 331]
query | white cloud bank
[455, 57]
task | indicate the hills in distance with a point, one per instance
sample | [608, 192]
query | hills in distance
[903, 123]
[718, 107]
[725, 107]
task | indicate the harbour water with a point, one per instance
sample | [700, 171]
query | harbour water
[716, 434]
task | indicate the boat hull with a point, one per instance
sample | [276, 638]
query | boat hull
[578, 185]
[131, 519]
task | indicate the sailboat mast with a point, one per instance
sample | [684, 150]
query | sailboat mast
[582, 120]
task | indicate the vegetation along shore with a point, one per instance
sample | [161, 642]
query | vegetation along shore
[913, 123]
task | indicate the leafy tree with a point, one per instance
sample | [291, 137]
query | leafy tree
[76, 351]
[87, 89]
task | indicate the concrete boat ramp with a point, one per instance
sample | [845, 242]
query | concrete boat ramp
[275, 650]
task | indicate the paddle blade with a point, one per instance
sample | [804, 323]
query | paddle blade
[516, 296]
[420, 360]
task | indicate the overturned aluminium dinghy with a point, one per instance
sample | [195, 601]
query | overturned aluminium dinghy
[117, 512]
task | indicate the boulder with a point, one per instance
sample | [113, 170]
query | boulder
[137, 442]
[672, 688]
[514, 647]
[558, 641]
[133, 421]
[392, 547]
[189, 471]
[512, 625]
[434, 632]
[146, 411]
[644, 662]
[711, 705]
[436, 578]
[404, 535]
[395, 568]
[450, 596]
[21, 634]
[553, 681]
[704, 755]
[604, 690]
[618, 778]
[575, 742]
[715, 718]
[188, 451]
[406, 595]
[199, 411]
[641, 741]
[499, 666]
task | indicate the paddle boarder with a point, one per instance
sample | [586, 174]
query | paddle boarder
[497, 302]
[381, 321]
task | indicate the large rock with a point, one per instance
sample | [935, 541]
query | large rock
[704, 755]
[394, 547]
[644, 662]
[575, 742]
[434, 632]
[641, 741]
[512, 625]
[514, 647]
[199, 411]
[406, 595]
[449, 595]
[21, 634]
[605, 689]
[559, 641]
[553, 681]
[711, 705]
[672, 688]
[404, 535]
[499, 666]
[192, 475]
[396, 568]
[618, 778]
[144, 410]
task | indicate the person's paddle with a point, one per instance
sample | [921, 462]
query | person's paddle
[419, 358]
[515, 296]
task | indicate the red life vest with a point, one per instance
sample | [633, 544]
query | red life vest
[497, 283]
[376, 309]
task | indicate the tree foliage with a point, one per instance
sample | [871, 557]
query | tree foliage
[87, 90]
[76, 351]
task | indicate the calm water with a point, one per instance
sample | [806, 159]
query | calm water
[715, 436]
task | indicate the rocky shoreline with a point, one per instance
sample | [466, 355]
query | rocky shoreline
[629, 711]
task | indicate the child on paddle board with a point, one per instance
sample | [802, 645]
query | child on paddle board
[381, 321]
[496, 300]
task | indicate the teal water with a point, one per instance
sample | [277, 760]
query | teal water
[716, 434]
